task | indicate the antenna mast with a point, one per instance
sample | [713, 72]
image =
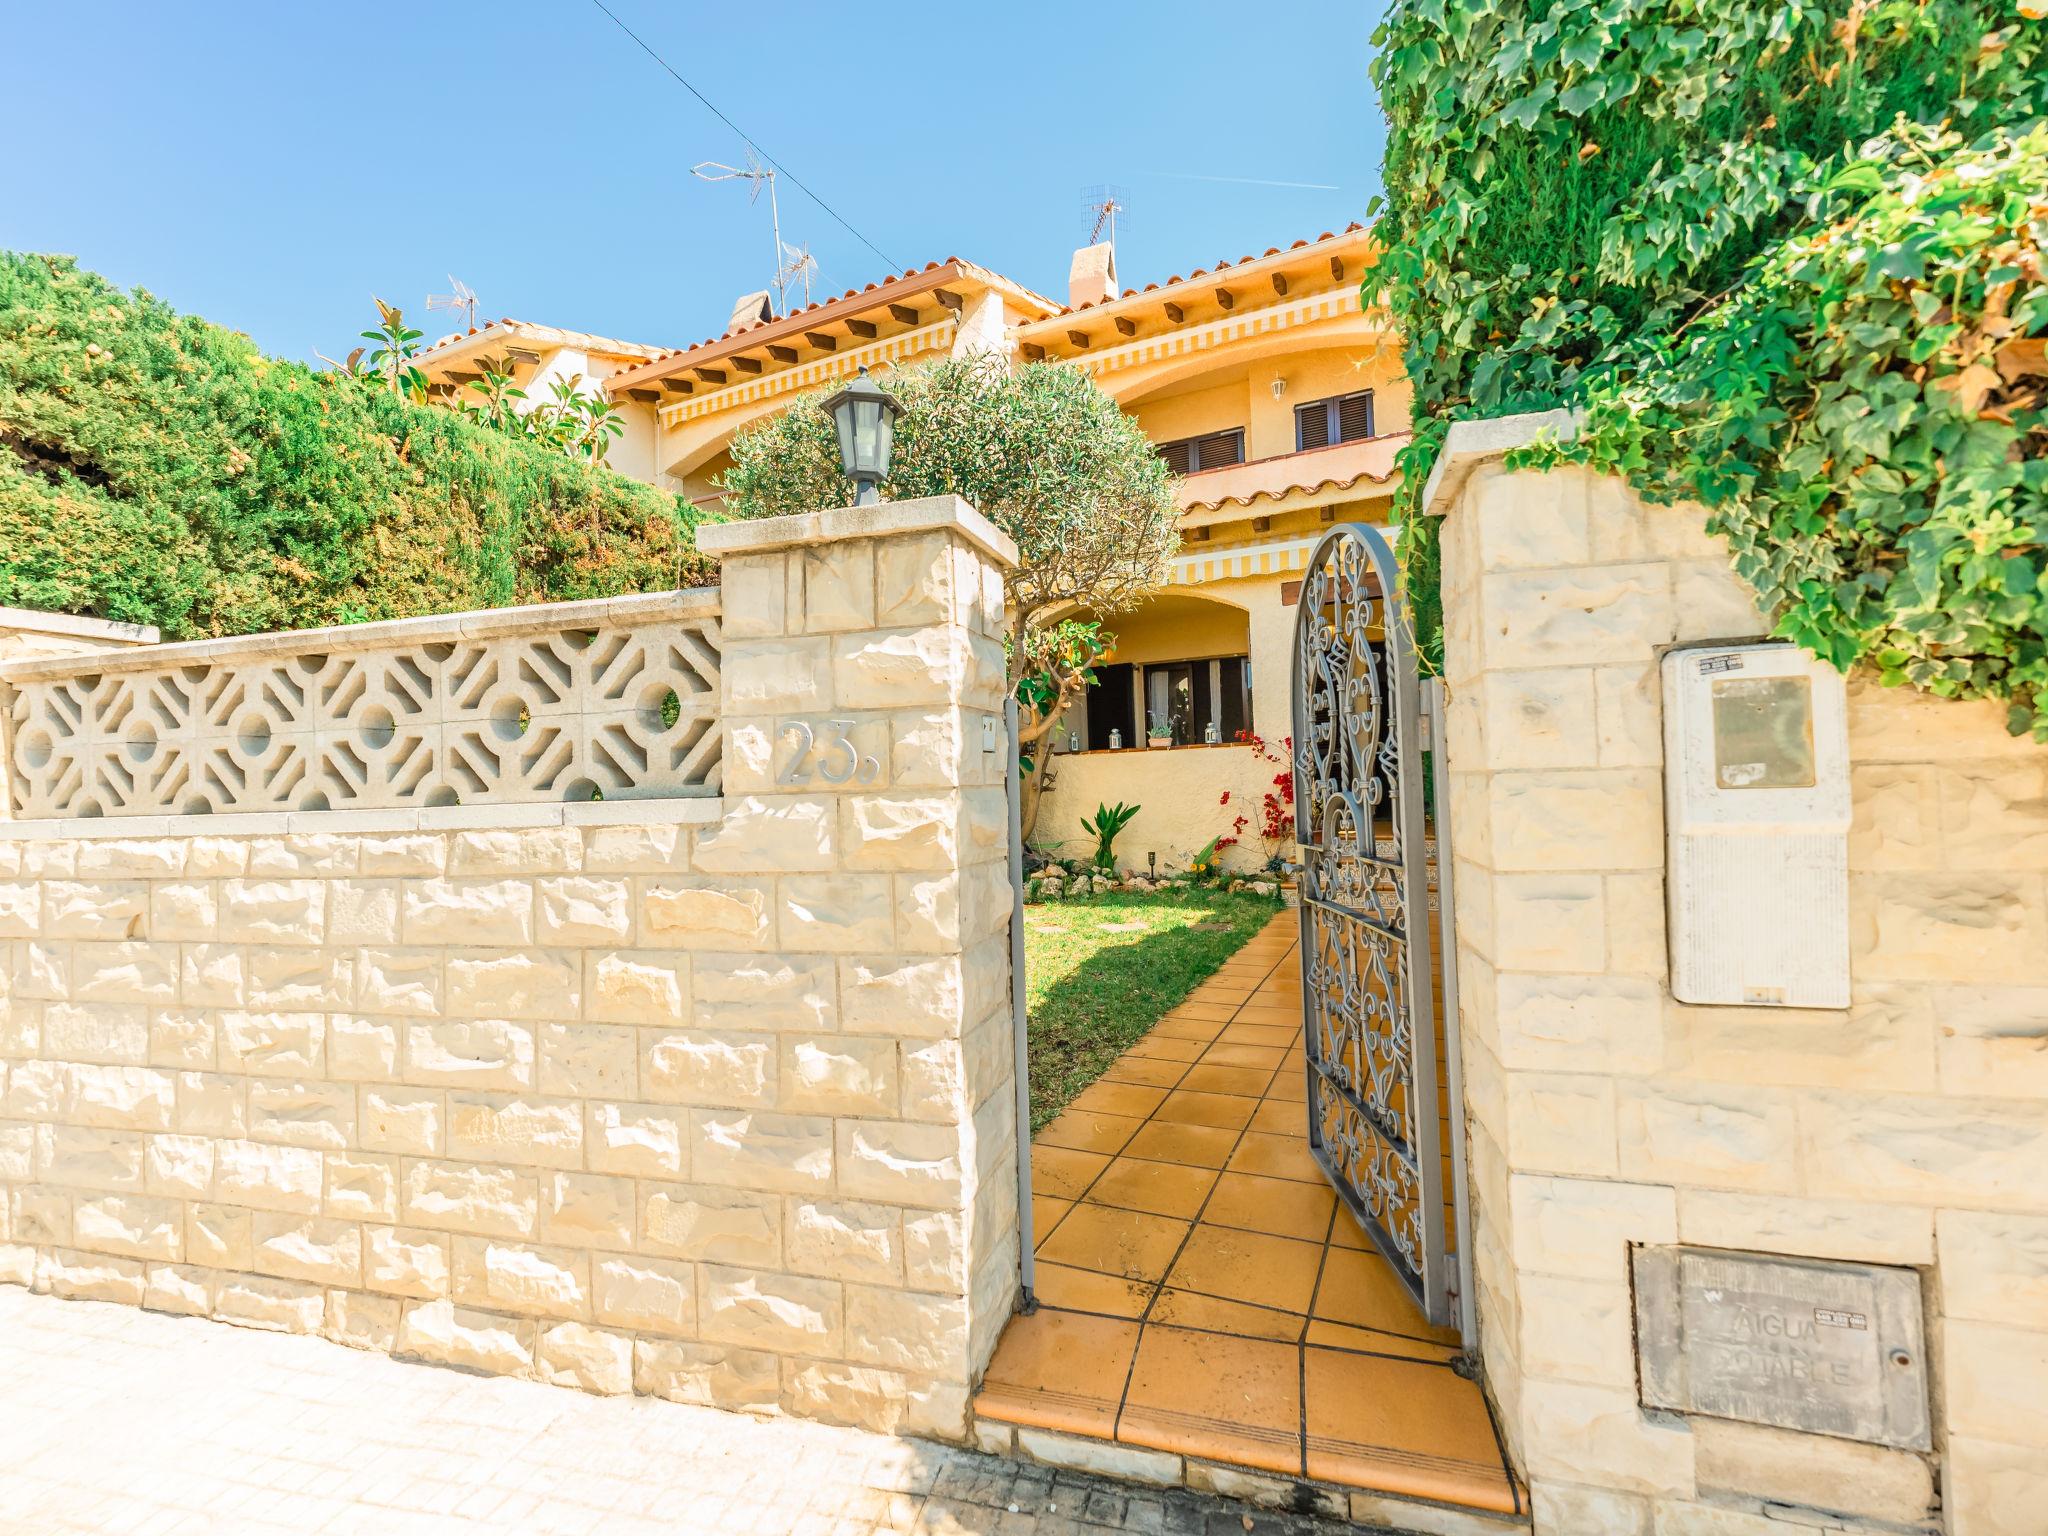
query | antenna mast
[463, 298]
[756, 175]
[1105, 203]
[798, 265]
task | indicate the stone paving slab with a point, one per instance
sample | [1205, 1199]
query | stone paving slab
[123, 1422]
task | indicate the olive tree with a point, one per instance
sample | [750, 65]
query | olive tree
[1048, 458]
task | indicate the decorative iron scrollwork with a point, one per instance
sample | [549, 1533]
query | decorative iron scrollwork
[1368, 1017]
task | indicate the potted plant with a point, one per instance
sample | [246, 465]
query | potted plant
[1159, 729]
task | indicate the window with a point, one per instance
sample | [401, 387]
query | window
[1233, 697]
[1188, 455]
[1109, 707]
[1189, 696]
[1170, 701]
[1339, 419]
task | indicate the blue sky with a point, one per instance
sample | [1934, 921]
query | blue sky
[271, 166]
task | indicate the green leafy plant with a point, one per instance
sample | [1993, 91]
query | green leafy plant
[1599, 205]
[1044, 454]
[581, 425]
[1864, 419]
[392, 358]
[599, 424]
[1053, 655]
[158, 469]
[555, 420]
[494, 399]
[1104, 826]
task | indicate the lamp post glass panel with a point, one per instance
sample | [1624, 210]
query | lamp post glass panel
[864, 415]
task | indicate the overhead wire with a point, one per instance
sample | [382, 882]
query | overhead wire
[749, 139]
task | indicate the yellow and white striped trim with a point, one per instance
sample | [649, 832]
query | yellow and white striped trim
[1204, 337]
[1276, 557]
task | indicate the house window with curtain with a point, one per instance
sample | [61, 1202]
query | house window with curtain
[1213, 450]
[1191, 696]
[1338, 419]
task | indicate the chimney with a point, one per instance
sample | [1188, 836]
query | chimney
[1092, 277]
[749, 309]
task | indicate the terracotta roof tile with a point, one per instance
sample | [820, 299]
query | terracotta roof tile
[1272, 250]
[1314, 472]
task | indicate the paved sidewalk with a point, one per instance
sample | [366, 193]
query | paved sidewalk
[114, 1420]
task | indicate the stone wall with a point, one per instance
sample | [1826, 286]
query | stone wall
[1909, 1129]
[705, 1098]
[27, 632]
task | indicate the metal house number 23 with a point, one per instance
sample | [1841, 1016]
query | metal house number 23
[838, 761]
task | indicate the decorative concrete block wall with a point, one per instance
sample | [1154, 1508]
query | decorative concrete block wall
[1909, 1129]
[696, 1095]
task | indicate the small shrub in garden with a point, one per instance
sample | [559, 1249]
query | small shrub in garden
[1103, 826]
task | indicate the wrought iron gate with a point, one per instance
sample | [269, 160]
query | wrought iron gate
[1360, 811]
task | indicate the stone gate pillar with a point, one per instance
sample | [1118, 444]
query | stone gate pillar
[851, 907]
[1610, 1122]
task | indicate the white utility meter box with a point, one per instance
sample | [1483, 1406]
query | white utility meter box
[1756, 807]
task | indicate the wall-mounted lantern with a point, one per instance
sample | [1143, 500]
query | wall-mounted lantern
[864, 414]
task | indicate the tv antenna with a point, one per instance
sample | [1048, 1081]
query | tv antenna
[756, 175]
[798, 266]
[463, 299]
[1106, 203]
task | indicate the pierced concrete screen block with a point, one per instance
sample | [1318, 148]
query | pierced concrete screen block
[572, 701]
[1833, 1349]
[1756, 792]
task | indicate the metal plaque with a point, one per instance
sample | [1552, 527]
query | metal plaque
[1830, 1348]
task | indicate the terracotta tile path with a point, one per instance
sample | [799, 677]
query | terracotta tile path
[1203, 1291]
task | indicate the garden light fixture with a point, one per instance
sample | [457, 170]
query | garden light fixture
[864, 414]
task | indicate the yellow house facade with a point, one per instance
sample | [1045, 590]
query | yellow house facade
[701, 397]
[1270, 389]
[1281, 401]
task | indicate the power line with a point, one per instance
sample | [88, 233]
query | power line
[747, 138]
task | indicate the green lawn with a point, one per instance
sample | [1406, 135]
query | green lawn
[1094, 989]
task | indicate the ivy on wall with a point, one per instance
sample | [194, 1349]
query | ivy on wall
[1784, 257]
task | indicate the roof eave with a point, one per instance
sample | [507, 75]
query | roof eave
[493, 334]
[1203, 283]
[954, 273]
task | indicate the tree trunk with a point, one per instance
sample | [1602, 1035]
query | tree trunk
[1034, 735]
[1031, 789]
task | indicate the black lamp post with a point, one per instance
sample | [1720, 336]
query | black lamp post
[865, 416]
